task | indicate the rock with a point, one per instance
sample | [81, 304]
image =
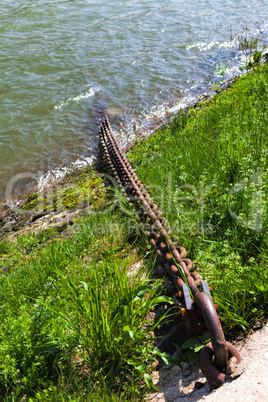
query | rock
[233, 369]
[185, 369]
[186, 372]
[251, 386]
[257, 325]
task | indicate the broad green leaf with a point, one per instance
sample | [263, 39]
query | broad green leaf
[191, 343]
[147, 378]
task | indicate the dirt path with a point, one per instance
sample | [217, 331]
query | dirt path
[189, 384]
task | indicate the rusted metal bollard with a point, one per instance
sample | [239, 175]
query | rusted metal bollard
[186, 285]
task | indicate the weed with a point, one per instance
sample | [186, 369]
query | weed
[189, 351]
[74, 321]
[64, 320]
[210, 181]
[247, 44]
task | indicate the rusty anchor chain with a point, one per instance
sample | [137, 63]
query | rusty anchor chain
[189, 291]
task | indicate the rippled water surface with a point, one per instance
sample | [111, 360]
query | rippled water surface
[147, 58]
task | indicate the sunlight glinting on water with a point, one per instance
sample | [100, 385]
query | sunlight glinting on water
[146, 59]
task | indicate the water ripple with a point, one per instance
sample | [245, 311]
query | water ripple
[147, 58]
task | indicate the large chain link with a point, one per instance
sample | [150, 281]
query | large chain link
[186, 286]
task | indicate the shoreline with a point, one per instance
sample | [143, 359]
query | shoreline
[18, 202]
[73, 251]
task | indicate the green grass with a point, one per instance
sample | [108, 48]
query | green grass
[208, 171]
[74, 322]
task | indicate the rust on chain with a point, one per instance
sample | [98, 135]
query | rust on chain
[185, 285]
[209, 367]
[204, 302]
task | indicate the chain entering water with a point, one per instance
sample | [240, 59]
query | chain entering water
[186, 286]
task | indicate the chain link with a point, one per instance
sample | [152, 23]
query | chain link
[182, 282]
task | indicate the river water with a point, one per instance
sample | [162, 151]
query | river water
[146, 58]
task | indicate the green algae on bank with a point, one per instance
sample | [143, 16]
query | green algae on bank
[78, 191]
[86, 188]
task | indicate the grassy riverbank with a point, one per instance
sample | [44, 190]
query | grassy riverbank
[74, 314]
[208, 171]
